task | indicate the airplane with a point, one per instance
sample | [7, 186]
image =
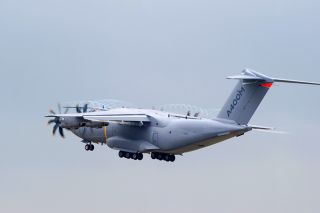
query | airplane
[135, 132]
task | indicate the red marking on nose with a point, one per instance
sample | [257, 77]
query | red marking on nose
[267, 85]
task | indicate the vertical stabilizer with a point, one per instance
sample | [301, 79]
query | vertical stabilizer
[246, 97]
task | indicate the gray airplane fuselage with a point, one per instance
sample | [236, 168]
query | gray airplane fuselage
[165, 133]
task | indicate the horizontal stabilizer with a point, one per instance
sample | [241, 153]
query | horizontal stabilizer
[245, 77]
[294, 81]
[267, 129]
[250, 75]
[261, 127]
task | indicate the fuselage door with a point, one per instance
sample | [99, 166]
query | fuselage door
[155, 136]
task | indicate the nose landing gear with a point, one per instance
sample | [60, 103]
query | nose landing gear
[89, 147]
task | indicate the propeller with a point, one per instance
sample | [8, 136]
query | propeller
[59, 110]
[57, 121]
[84, 108]
[78, 109]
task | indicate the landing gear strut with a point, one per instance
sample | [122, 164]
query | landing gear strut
[163, 156]
[89, 147]
[130, 155]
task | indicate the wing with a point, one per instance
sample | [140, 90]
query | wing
[122, 116]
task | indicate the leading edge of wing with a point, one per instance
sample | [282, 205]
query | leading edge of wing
[119, 118]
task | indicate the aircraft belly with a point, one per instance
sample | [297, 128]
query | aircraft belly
[129, 145]
[188, 135]
[203, 143]
[92, 134]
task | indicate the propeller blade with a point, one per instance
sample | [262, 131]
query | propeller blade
[78, 109]
[52, 112]
[51, 121]
[196, 114]
[188, 113]
[85, 108]
[61, 131]
[59, 108]
[66, 111]
[55, 129]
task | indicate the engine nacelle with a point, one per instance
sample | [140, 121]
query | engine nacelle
[75, 123]
[93, 124]
[70, 122]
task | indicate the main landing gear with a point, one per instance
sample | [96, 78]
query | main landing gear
[89, 147]
[163, 156]
[130, 155]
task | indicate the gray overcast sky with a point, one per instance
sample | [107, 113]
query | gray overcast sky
[150, 53]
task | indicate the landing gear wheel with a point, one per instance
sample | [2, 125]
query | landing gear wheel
[127, 155]
[167, 157]
[121, 154]
[159, 156]
[163, 156]
[91, 147]
[134, 156]
[87, 147]
[153, 155]
[140, 156]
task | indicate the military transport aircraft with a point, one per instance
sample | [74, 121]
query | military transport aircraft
[163, 135]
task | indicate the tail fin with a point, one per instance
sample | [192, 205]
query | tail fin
[248, 94]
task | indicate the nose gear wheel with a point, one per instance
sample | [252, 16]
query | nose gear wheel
[89, 147]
